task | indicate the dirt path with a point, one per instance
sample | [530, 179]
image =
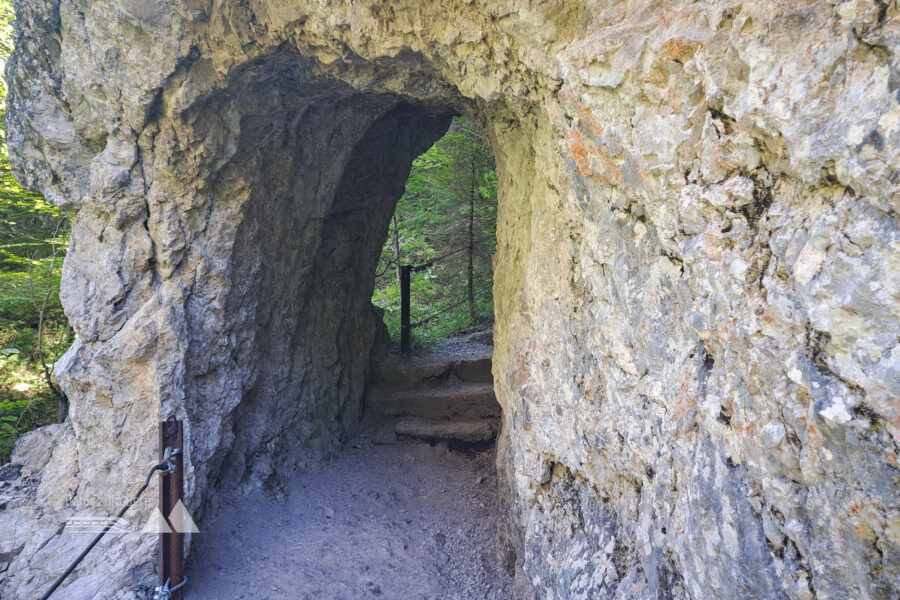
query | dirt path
[397, 521]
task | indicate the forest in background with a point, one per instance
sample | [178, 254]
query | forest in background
[33, 330]
[448, 216]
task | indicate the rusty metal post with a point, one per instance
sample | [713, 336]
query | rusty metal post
[405, 272]
[171, 545]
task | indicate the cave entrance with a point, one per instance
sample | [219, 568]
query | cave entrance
[304, 184]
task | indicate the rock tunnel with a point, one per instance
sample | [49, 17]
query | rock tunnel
[696, 289]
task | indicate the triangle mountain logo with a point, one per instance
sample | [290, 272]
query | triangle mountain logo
[181, 519]
[156, 523]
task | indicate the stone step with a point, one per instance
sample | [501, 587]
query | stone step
[429, 371]
[472, 401]
[477, 370]
[467, 432]
[399, 372]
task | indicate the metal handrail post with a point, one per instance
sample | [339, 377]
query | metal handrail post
[405, 329]
[171, 544]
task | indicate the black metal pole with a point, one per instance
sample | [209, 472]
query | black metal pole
[405, 272]
[171, 545]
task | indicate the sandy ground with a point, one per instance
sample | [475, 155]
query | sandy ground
[396, 521]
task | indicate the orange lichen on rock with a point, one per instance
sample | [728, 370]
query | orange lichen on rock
[679, 48]
[580, 153]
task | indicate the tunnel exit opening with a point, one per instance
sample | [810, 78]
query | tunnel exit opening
[435, 273]
[432, 377]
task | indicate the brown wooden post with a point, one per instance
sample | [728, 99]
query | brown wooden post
[171, 545]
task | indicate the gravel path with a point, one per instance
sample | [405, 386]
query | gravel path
[395, 521]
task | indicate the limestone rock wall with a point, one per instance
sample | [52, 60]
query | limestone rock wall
[697, 275]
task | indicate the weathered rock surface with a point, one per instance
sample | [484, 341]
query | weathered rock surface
[697, 276]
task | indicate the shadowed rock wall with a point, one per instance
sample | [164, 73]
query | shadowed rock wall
[697, 271]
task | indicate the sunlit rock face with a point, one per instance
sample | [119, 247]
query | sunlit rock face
[697, 275]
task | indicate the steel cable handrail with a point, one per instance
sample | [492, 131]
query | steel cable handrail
[447, 308]
[425, 265]
[451, 253]
[385, 270]
[166, 467]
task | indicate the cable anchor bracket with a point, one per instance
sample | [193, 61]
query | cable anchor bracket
[164, 592]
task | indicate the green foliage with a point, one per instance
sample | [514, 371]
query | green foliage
[19, 290]
[7, 18]
[450, 182]
[18, 416]
[31, 232]
[26, 401]
[19, 411]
